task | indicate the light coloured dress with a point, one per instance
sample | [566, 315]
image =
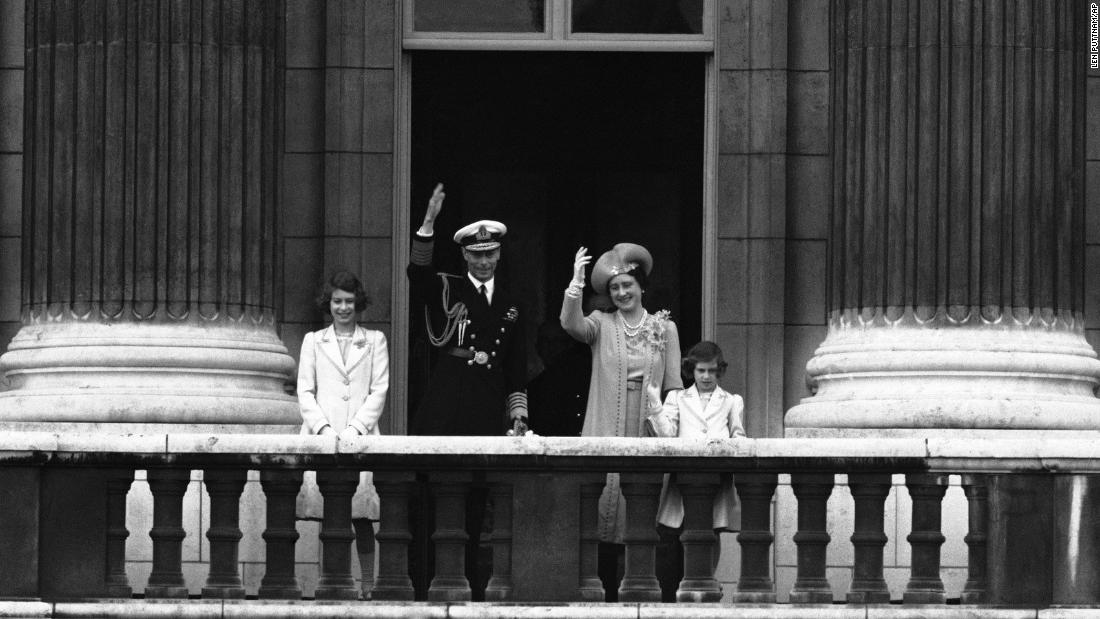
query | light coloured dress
[342, 382]
[629, 372]
[689, 414]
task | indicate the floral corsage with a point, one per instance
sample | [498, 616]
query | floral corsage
[654, 330]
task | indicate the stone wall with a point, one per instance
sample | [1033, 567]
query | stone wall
[338, 161]
[11, 168]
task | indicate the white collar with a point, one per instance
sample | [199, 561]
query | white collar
[489, 285]
[694, 391]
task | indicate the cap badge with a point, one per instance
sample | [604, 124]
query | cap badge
[483, 234]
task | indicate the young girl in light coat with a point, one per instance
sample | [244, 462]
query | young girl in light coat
[343, 377]
[703, 410]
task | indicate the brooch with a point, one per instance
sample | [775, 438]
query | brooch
[361, 343]
[512, 314]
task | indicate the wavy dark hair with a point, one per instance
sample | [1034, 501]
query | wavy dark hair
[346, 281]
[703, 352]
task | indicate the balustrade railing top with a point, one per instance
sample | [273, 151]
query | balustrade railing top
[1079, 455]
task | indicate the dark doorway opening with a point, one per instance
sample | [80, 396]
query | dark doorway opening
[567, 149]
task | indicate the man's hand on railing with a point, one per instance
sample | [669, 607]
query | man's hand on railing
[519, 428]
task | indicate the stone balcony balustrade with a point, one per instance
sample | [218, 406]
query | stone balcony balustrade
[64, 560]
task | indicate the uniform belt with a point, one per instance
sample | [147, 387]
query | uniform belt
[634, 385]
[476, 356]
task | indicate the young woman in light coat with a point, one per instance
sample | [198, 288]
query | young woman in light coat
[343, 376]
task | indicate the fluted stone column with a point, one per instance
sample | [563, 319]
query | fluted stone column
[149, 206]
[957, 238]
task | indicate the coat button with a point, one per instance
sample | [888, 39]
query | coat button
[473, 336]
[470, 362]
[502, 329]
[498, 342]
[345, 398]
[494, 353]
[347, 382]
[489, 367]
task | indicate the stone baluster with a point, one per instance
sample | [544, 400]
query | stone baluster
[641, 492]
[168, 487]
[224, 487]
[869, 492]
[118, 486]
[336, 582]
[500, 583]
[589, 587]
[392, 581]
[812, 491]
[281, 489]
[698, 491]
[755, 491]
[977, 498]
[925, 585]
[449, 583]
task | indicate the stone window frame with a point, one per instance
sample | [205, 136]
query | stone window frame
[558, 12]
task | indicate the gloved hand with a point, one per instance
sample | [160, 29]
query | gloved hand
[348, 433]
[519, 427]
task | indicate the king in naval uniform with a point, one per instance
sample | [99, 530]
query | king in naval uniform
[477, 385]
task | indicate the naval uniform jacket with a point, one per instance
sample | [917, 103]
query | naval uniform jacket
[464, 396]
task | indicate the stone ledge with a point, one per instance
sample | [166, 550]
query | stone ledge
[533, 453]
[485, 610]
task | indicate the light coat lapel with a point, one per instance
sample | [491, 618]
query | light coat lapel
[358, 349]
[331, 348]
[715, 402]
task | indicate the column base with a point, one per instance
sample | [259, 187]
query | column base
[397, 594]
[449, 592]
[166, 592]
[868, 597]
[972, 597]
[811, 597]
[962, 380]
[591, 591]
[206, 377]
[223, 593]
[280, 592]
[498, 590]
[924, 597]
[753, 597]
[699, 592]
[336, 593]
[120, 591]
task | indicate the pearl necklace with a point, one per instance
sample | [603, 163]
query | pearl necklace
[632, 330]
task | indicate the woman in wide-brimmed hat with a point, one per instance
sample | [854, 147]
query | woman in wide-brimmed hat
[635, 358]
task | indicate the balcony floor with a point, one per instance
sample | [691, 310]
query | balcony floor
[485, 610]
